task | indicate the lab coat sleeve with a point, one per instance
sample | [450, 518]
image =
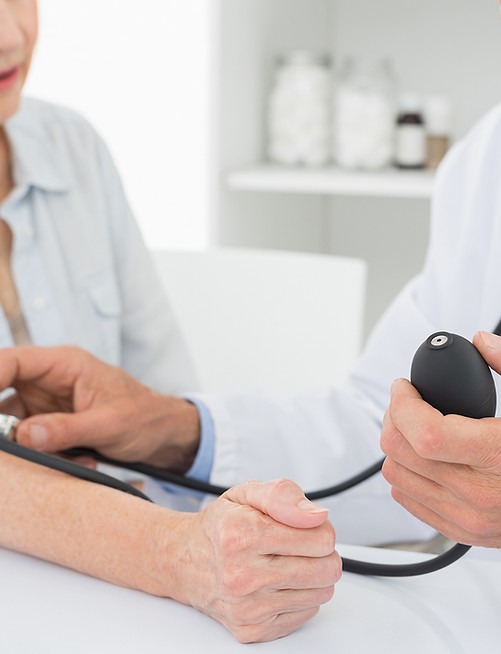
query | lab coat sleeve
[153, 349]
[324, 437]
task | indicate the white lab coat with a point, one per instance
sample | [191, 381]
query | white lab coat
[324, 437]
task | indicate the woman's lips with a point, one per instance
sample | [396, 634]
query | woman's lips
[8, 78]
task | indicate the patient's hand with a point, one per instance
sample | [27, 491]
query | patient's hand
[256, 561]
[260, 559]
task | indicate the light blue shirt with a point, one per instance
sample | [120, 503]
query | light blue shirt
[202, 465]
[83, 273]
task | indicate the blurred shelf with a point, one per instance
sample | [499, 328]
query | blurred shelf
[389, 183]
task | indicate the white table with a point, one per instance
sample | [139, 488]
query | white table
[46, 609]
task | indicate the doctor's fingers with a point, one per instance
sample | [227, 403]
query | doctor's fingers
[489, 346]
[472, 507]
[449, 516]
[56, 371]
[30, 363]
[474, 486]
[55, 432]
[451, 438]
[12, 405]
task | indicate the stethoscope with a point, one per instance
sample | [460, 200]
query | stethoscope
[448, 372]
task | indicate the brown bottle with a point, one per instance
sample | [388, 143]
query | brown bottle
[410, 135]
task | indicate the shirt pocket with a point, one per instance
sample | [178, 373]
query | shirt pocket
[105, 319]
[105, 298]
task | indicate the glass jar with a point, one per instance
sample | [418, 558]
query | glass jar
[364, 115]
[299, 110]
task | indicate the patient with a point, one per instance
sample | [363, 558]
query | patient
[73, 266]
[73, 269]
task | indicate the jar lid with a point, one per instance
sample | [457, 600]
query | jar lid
[438, 112]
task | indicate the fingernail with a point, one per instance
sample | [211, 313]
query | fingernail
[492, 341]
[38, 436]
[311, 507]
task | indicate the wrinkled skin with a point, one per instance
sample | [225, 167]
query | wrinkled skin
[446, 470]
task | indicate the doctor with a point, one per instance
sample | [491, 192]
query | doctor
[445, 470]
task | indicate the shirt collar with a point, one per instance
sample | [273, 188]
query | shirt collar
[35, 160]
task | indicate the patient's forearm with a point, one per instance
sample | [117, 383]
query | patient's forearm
[91, 528]
[260, 559]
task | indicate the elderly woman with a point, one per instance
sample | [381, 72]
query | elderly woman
[73, 266]
[73, 269]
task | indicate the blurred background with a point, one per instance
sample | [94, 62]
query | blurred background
[139, 71]
[301, 125]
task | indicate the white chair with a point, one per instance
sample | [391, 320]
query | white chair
[266, 320]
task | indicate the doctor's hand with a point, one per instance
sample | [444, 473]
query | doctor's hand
[446, 470]
[88, 403]
[260, 560]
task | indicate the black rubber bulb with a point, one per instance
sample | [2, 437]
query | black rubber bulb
[451, 375]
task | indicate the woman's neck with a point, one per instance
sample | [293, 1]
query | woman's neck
[6, 181]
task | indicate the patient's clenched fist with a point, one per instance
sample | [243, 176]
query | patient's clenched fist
[261, 559]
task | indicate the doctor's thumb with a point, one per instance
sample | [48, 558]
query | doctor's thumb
[55, 432]
[489, 346]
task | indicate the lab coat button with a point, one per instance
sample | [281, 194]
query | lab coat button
[28, 231]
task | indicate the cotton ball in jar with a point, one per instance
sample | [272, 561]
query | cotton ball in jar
[299, 110]
[364, 117]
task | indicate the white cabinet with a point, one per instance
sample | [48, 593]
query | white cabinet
[436, 46]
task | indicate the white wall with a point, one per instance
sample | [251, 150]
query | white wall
[140, 72]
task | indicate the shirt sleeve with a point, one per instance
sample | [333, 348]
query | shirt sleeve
[202, 465]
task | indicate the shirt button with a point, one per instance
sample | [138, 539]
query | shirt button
[28, 231]
[40, 304]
